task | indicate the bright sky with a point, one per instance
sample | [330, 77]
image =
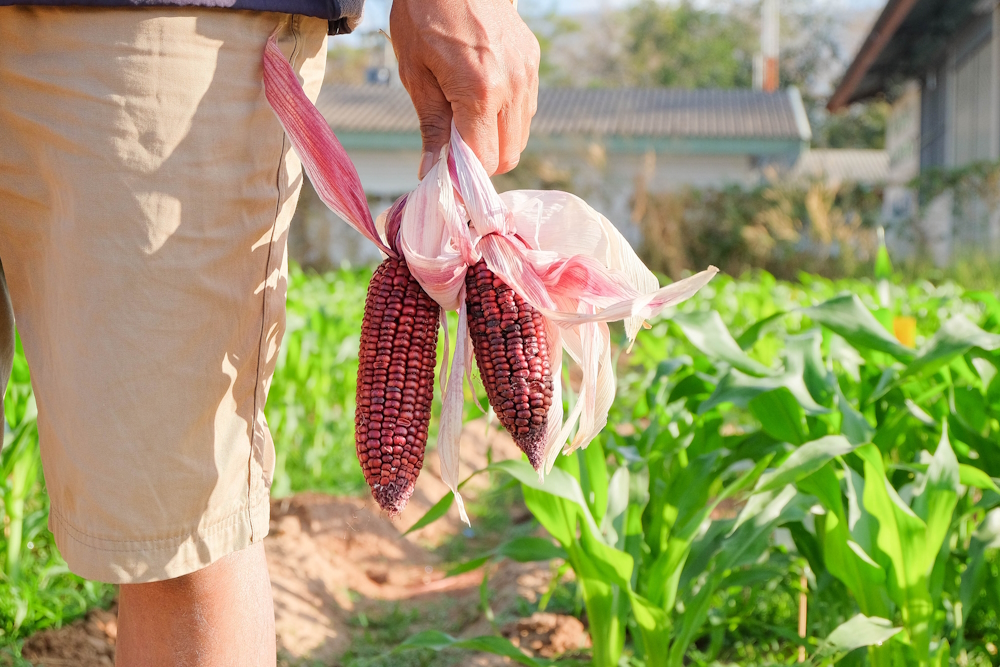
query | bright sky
[377, 11]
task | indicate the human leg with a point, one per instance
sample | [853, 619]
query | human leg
[219, 616]
[145, 195]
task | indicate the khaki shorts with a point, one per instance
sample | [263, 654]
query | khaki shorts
[146, 190]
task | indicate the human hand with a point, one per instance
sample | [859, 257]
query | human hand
[476, 61]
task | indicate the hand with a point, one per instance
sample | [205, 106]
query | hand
[475, 60]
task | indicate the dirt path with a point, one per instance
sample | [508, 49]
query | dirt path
[335, 563]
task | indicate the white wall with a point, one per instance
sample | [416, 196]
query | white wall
[608, 183]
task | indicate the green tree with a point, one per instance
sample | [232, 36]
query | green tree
[860, 126]
[681, 46]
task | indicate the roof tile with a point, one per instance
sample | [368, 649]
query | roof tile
[624, 112]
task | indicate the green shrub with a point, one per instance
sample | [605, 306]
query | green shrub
[814, 444]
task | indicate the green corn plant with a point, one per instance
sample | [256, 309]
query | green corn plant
[36, 588]
[815, 419]
[19, 461]
[892, 555]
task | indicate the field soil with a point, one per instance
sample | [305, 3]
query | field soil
[337, 565]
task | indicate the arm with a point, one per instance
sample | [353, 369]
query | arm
[476, 61]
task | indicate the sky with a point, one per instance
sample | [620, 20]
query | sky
[377, 11]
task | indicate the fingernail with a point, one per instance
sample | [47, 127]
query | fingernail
[426, 162]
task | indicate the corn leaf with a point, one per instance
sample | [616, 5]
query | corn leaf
[955, 337]
[707, 332]
[852, 634]
[849, 318]
[804, 461]
[438, 641]
[780, 415]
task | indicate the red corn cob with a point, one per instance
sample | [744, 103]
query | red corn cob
[508, 337]
[395, 383]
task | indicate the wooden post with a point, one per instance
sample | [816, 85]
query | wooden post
[803, 613]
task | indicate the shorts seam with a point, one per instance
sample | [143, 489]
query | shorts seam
[88, 541]
[280, 192]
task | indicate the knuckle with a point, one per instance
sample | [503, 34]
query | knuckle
[534, 52]
[434, 126]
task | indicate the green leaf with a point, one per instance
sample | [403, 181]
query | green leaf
[707, 332]
[594, 477]
[467, 566]
[780, 415]
[804, 356]
[432, 639]
[739, 389]
[993, 392]
[691, 385]
[849, 318]
[955, 337]
[910, 544]
[556, 515]
[654, 624]
[974, 477]
[804, 461]
[438, 641]
[612, 565]
[970, 407]
[883, 265]
[987, 448]
[618, 497]
[936, 501]
[558, 483]
[755, 330]
[844, 558]
[764, 506]
[530, 549]
[987, 536]
[853, 424]
[853, 634]
[439, 509]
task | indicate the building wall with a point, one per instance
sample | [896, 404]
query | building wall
[973, 116]
[608, 182]
[959, 123]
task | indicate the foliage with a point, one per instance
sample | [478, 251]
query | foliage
[782, 226]
[813, 444]
[310, 405]
[700, 45]
[37, 591]
[680, 46]
[689, 524]
[975, 181]
[860, 126]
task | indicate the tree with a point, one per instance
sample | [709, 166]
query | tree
[681, 46]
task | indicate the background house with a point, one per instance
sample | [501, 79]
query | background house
[939, 60]
[605, 143]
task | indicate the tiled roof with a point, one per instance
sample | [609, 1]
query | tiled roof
[623, 112]
[839, 165]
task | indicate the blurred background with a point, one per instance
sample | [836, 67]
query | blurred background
[801, 464]
[745, 134]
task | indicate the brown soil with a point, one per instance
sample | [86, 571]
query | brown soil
[547, 635]
[337, 561]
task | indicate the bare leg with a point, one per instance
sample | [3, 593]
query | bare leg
[221, 616]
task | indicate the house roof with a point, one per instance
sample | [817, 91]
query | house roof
[625, 113]
[843, 165]
[908, 38]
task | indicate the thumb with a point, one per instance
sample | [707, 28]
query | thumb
[434, 113]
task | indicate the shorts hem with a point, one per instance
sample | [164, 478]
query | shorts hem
[147, 561]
